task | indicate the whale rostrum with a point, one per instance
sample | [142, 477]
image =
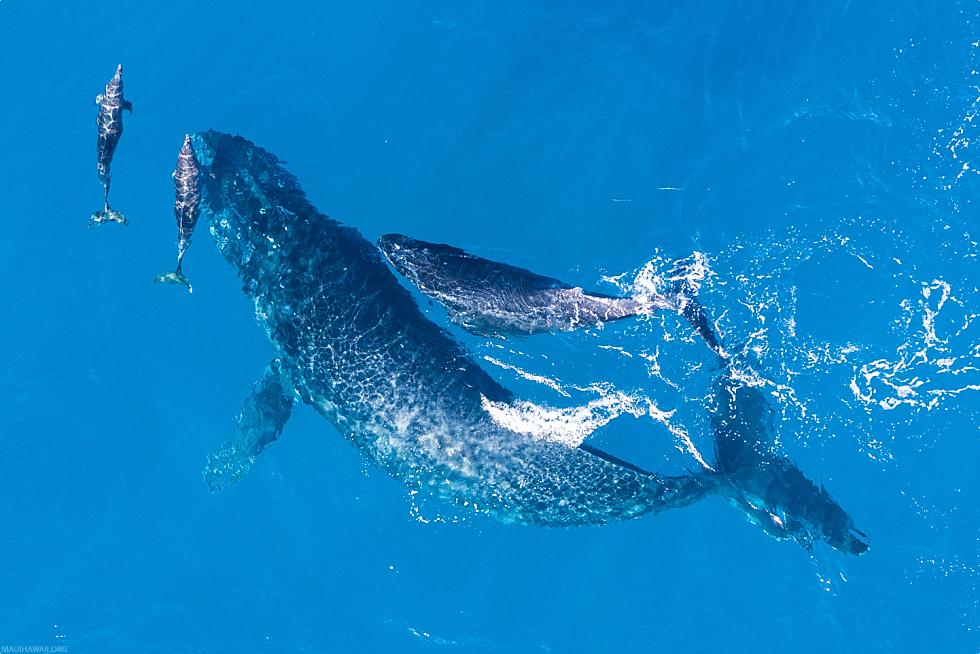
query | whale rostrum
[110, 128]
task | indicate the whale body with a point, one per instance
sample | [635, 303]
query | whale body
[351, 342]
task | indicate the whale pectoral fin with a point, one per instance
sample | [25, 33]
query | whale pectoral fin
[259, 423]
[99, 98]
[127, 106]
[487, 297]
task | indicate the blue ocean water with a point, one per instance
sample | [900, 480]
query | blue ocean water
[818, 157]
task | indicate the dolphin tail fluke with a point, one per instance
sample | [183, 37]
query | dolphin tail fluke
[175, 278]
[107, 215]
[259, 423]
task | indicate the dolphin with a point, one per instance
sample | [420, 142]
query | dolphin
[490, 298]
[349, 340]
[110, 124]
[187, 209]
[749, 471]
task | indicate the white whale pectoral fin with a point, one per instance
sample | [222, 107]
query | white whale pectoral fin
[259, 423]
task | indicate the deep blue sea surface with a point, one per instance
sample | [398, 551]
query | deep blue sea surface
[819, 157]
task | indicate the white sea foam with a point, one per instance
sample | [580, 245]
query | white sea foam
[924, 369]
[571, 426]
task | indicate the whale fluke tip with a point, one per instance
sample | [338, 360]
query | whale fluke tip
[107, 216]
[175, 278]
[226, 466]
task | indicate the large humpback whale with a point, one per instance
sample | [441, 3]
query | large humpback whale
[351, 342]
[749, 471]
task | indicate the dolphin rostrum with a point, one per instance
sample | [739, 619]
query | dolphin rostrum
[187, 209]
[110, 123]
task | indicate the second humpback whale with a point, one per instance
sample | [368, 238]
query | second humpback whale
[351, 342]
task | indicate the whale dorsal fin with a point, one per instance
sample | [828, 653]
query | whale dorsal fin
[259, 423]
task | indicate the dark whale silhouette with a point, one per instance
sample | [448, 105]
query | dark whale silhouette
[351, 342]
[766, 485]
[110, 125]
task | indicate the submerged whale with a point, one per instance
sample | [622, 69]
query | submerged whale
[749, 471]
[766, 485]
[350, 341]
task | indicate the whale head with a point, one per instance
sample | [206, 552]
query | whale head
[254, 205]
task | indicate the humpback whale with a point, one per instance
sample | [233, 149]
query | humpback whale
[187, 209]
[749, 472]
[349, 340]
[110, 124]
[487, 297]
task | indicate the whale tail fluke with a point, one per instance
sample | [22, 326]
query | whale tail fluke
[175, 278]
[227, 465]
